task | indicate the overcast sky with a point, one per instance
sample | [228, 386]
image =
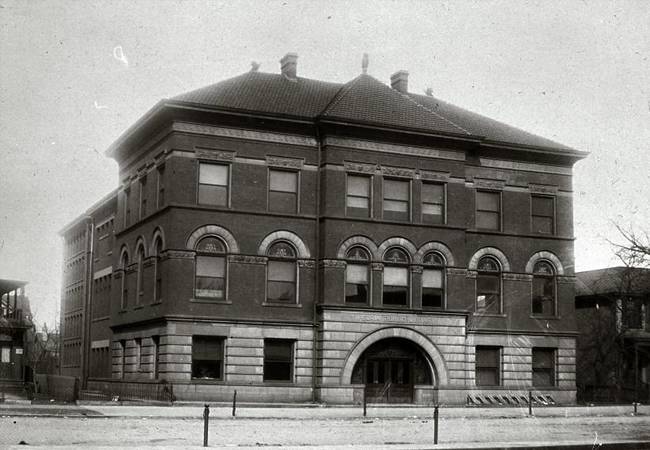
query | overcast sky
[74, 75]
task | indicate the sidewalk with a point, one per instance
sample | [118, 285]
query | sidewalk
[300, 412]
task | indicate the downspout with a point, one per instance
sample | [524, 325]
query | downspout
[316, 267]
[85, 355]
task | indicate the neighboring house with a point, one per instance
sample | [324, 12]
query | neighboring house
[301, 240]
[613, 316]
[15, 320]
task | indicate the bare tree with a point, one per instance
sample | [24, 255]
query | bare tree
[633, 247]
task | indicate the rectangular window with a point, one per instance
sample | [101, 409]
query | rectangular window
[127, 208]
[160, 201]
[281, 286]
[283, 191]
[123, 359]
[138, 354]
[210, 277]
[543, 214]
[488, 210]
[213, 184]
[207, 357]
[432, 288]
[488, 293]
[395, 286]
[278, 360]
[358, 196]
[543, 295]
[143, 197]
[356, 283]
[543, 367]
[397, 197]
[633, 313]
[155, 342]
[433, 203]
[5, 355]
[488, 366]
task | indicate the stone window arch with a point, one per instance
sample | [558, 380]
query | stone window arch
[545, 255]
[491, 251]
[440, 248]
[287, 236]
[213, 230]
[157, 247]
[363, 241]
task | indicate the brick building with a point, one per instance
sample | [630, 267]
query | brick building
[301, 240]
[15, 323]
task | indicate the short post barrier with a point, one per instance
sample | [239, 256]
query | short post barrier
[435, 425]
[206, 416]
[530, 403]
[234, 403]
[364, 404]
[635, 406]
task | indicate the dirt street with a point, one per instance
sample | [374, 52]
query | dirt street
[77, 430]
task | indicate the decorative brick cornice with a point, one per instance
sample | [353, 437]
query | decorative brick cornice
[150, 261]
[456, 272]
[332, 264]
[425, 152]
[247, 259]
[379, 267]
[239, 133]
[416, 269]
[177, 254]
[214, 154]
[517, 277]
[397, 172]
[306, 263]
[360, 167]
[566, 280]
[531, 167]
[289, 163]
[471, 274]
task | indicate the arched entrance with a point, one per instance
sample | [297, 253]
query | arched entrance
[390, 368]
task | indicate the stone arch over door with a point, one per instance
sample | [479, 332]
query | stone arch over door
[439, 367]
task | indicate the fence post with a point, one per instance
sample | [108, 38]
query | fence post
[530, 402]
[206, 415]
[635, 406]
[364, 403]
[435, 424]
[234, 403]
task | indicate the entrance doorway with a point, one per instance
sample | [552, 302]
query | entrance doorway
[390, 369]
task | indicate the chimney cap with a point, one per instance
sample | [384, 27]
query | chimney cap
[289, 65]
[400, 81]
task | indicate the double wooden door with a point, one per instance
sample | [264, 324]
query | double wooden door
[389, 380]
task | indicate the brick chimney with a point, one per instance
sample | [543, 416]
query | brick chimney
[289, 65]
[400, 81]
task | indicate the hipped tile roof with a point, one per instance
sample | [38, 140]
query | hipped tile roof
[363, 100]
[613, 281]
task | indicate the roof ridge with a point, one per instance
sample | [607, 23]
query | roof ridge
[436, 114]
[339, 95]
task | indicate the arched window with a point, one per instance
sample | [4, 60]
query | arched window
[157, 287]
[282, 274]
[488, 286]
[124, 264]
[356, 275]
[210, 269]
[396, 280]
[140, 279]
[544, 289]
[433, 280]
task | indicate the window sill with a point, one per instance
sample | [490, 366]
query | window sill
[208, 381]
[138, 307]
[207, 300]
[533, 316]
[283, 305]
[122, 311]
[280, 382]
[157, 302]
[480, 314]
